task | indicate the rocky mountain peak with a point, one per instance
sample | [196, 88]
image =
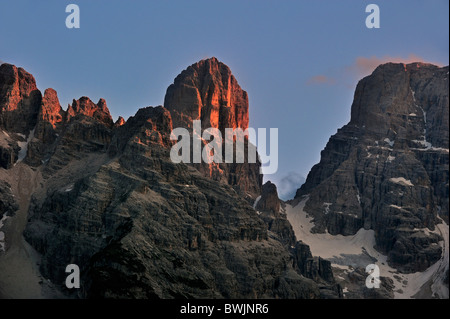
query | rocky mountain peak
[394, 103]
[388, 168]
[17, 79]
[85, 106]
[115, 190]
[120, 121]
[112, 194]
[208, 91]
[19, 99]
[51, 108]
[50, 117]
[269, 200]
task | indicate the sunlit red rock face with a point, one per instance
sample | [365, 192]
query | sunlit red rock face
[120, 121]
[51, 109]
[50, 117]
[19, 99]
[86, 107]
[207, 91]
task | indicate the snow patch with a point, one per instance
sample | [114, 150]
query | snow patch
[69, 187]
[428, 147]
[401, 181]
[387, 140]
[424, 143]
[256, 201]
[397, 207]
[24, 146]
[326, 245]
[441, 149]
[352, 215]
[390, 158]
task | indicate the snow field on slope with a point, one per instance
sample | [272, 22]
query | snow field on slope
[354, 250]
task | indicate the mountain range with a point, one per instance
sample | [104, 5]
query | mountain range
[78, 188]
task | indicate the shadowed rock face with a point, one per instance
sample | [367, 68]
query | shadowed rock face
[269, 199]
[8, 204]
[268, 207]
[388, 169]
[110, 200]
[315, 268]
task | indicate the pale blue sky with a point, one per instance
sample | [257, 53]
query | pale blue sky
[299, 61]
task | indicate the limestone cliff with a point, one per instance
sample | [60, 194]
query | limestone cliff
[388, 168]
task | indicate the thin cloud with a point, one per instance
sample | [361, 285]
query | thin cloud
[349, 75]
[363, 66]
[321, 79]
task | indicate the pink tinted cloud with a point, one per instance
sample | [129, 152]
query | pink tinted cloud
[365, 66]
[361, 67]
[320, 79]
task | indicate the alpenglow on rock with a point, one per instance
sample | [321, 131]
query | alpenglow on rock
[19, 99]
[207, 91]
[388, 168]
[106, 197]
